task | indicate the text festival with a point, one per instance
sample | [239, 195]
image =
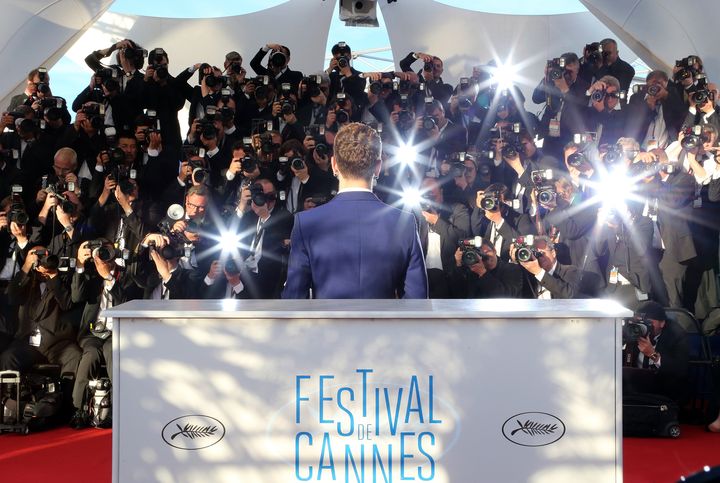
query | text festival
[365, 429]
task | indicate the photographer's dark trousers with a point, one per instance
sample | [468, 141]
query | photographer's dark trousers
[21, 356]
[94, 351]
[438, 284]
[673, 274]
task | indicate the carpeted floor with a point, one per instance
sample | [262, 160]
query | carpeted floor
[65, 455]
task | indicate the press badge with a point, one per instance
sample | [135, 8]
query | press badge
[35, 338]
[641, 296]
[697, 203]
[614, 276]
[554, 128]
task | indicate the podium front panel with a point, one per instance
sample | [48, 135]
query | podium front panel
[367, 391]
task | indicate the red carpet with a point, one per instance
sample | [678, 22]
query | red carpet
[66, 455]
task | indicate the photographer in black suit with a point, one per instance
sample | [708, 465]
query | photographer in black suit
[277, 66]
[99, 284]
[484, 275]
[657, 362]
[42, 335]
[554, 280]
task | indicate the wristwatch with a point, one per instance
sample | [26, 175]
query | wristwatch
[655, 356]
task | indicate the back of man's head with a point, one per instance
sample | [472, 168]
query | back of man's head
[357, 151]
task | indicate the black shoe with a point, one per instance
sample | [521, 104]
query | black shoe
[80, 420]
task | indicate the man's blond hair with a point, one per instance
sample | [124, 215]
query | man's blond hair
[357, 150]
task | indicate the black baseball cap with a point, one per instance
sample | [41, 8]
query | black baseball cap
[652, 310]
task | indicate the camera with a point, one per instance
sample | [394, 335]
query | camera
[471, 253]
[45, 259]
[297, 163]
[95, 114]
[428, 123]
[614, 153]
[343, 61]
[231, 267]
[490, 202]
[102, 250]
[600, 94]
[556, 68]
[258, 196]
[635, 328]
[579, 161]
[248, 164]
[651, 90]
[161, 71]
[342, 116]
[595, 52]
[277, 59]
[694, 137]
[701, 94]
[544, 186]
[317, 132]
[56, 190]
[17, 213]
[121, 173]
[205, 127]
[524, 249]
[686, 68]
[312, 85]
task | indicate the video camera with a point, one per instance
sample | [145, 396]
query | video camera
[525, 249]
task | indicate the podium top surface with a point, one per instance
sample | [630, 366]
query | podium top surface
[378, 309]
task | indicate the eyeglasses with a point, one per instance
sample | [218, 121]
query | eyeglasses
[197, 207]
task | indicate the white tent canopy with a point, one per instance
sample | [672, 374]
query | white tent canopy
[39, 32]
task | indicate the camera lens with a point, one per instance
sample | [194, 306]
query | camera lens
[523, 254]
[342, 116]
[488, 203]
[321, 149]
[598, 96]
[376, 87]
[545, 197]
[298, 164]
[471, 257]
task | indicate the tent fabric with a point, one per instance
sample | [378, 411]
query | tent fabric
[661, 31]
[37, 33]
[463, 38]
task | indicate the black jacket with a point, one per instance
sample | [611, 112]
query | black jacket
[453, 225]
[291, 76]
[569, 282]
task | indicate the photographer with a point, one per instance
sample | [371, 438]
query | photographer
[553, 280]
[658, 360]
[441, 224]
[130, 83]
[157, 271]
[283, 112]
[614, 66]
[34, 77]
[625, 238]
[430, 75]
[42, 335]
[669, 205]
[439, 134]
[265, 229]
[603, 115]
[117, 216]
[343, 77]
[209, 133]
[564, 96]
[165, 95]
[223, 280]
[312, 100]
[298, 178]
[34, 160]
[118, 162]
[655, 112]
[277, 66]
[483, 275]
[496, 221]
[99, 284]
[235, 72]
[15, 240]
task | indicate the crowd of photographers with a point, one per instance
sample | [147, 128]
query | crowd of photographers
[116, 203]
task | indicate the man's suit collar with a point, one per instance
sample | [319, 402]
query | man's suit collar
[356, 196]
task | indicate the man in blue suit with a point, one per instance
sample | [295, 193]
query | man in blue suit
[356, 246]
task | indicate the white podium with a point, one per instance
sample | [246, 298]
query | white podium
[449, 391]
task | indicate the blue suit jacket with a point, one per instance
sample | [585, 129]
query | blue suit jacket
[356, 247]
